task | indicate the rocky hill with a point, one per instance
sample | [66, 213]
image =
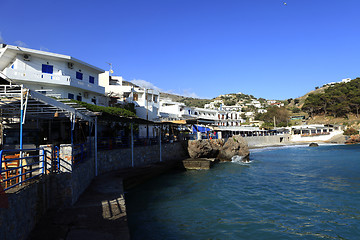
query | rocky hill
[191, 102]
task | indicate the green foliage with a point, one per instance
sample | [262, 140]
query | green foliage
[262, 100]
[281, 117]
[229, 102]
[128, 106]
[338, 100]
[116, 111]
[195, 102]
[295, 110]
[351, 131]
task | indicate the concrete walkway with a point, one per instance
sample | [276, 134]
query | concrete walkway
[100, 212]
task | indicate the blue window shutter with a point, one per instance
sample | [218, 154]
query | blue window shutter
[47, 68]
[79, 75]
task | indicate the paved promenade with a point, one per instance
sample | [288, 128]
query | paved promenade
[100, 212]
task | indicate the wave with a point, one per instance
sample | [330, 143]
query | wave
[239, 160]
[278, 147]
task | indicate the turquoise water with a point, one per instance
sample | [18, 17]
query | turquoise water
[284, 193]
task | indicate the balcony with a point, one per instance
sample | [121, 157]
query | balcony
[60, 80]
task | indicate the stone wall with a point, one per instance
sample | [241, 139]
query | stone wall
[56, 190]
[26, 206]
[109, 160]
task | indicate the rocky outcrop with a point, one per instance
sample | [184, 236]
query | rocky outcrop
[313, 145]
[235, 145]
[353, 139]
[216, 148]
[204, 148]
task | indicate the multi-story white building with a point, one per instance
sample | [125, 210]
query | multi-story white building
[232, 108]
[229, 118]
[52, 74]
[170, 110]
[146, 100]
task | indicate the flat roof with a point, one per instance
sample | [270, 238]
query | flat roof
[48, 54]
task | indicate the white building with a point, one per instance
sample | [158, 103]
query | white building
[255, 103]
[52, 74]
[232, 108]
[315, 132]
[146, 100]
[214, 104]
[170, 110]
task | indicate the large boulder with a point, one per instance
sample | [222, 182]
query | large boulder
[235, 145]
[204, 148]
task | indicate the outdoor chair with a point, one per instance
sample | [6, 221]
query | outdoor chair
[11, 169]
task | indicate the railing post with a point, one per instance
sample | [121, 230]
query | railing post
[1, 158]
[43, 165]
[160, 143]
[57, 152]
[95, 146]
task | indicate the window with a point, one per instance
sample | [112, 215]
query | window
[70, 96]
[91, 79]
[93, 100]
[79, 98]
[79, 75]
[155, 98]
[47, 68]
[136, 97]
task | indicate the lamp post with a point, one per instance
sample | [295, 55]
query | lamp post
[147, 112]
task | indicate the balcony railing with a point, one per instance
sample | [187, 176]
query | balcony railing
[52, 79]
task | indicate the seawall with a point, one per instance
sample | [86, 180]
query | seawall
[28, 204]
[263, 141]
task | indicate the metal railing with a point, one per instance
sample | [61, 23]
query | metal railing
[56, 160]
[21, 165]
[80, 153]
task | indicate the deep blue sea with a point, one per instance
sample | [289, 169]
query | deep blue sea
[284, 193]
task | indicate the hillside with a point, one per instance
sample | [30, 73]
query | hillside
[299, 102]
[191, 102]
[338, 100]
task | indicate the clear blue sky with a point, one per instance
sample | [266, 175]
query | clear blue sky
[203, 47]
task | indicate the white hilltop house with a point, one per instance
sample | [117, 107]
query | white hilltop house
[146, 100]
[214, 104]
[255, 103]
[52, 74]
[346, 80]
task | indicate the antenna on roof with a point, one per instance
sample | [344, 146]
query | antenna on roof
[111, 71]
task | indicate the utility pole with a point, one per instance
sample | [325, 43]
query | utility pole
[147, 113]
[274, 122]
